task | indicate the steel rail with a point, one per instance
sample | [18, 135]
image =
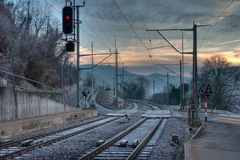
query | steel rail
[110, 142]
[43, 144]
[12, 143]
[138, 149]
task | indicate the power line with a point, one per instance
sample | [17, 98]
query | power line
[96, 36]
[94, 32]
[169, 70]
[134, 30]
[99, 24]
[52, 6]
[131, 26]
[141, 16]
[213, 21]
[90, 34]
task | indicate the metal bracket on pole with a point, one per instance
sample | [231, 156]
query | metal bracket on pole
[170, 44]
[194, 53]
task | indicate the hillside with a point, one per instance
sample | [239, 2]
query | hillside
[106, 74]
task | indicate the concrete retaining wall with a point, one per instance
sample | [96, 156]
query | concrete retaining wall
[15, 104]
[8, 129]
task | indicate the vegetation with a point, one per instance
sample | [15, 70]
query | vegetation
[160, 98]
[224, 81]
[88, 80]
[173, 98]
[136, 89]
[30, 42]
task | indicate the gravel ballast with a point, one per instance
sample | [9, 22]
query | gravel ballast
[76, 146]
[164, 150]
[55, 128]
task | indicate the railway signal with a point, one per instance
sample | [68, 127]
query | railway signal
[67, 18]
[70, 46]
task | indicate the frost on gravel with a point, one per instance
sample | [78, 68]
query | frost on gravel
[75, 147]
[164, 150]
[53, 128]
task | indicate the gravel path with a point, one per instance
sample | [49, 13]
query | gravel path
[164, 150]
[74, 147]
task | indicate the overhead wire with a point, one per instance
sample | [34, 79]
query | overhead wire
[96, 36]
[99, 25]
[149, 51]
[214, 20]
[131, 26]
[52, 6]
[170, 70]
[141, 16]
[92, 35]
[94, 32]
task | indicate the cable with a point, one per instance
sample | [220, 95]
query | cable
[96, 34]
[141, 16]
[170, 70]
[214, 22]
[149, 52]
[98, 24]
[59, 11]
[90, 34]
[131, 26]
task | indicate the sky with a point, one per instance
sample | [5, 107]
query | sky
[103, 21]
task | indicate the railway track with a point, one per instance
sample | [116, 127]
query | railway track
[153, 107]
[17, 141]
[17, 148]
[135, 106]
[143, 106]
[128, 144]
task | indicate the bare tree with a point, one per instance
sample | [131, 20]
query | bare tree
[30, 38]
[88, 80]
[136, 89]
[219, 73]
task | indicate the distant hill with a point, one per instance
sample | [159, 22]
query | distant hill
[161, 81]
[106, 74]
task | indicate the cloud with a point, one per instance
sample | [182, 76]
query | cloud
[104, 22]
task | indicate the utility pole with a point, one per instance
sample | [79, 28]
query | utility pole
[114, 85]
[92, 72]
[141, 85]
[154, 86]
[70, 19]
[180, 74]
[183, 89]
[62, 76]
[116, 79]
[180, 87]
[168, 90]
[78, 58]
[74, 17]
[194, 53]
[78, 51]
[122, 82]
[195, 70]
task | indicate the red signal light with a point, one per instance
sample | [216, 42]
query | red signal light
[67, 18]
